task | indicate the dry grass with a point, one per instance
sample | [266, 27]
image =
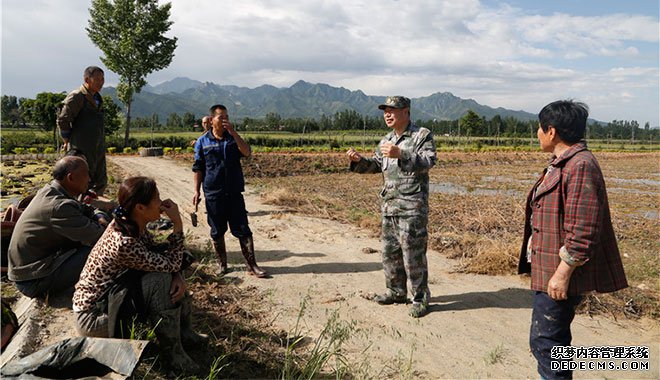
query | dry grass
[235, 317]
[478, 218]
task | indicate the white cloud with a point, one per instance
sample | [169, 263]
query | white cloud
[500, 56]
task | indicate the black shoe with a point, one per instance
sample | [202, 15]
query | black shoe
[389, 299]
[419, 310]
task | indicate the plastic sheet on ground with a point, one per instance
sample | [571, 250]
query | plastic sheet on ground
[79, 358]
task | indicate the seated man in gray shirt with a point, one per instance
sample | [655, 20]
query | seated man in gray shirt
[55, 233]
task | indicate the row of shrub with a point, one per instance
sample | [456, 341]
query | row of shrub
[33, 150]
[31, 142]
[166, 150]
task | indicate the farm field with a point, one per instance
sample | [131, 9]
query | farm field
[317, 231]
[476, 204]
[17, 141]
[477, 207]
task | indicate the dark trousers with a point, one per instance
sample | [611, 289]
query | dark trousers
[61, 280]
[551, 326]
[227, 209]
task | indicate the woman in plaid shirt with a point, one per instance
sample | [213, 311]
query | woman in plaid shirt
[569, 244]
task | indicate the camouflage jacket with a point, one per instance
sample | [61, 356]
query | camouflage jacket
[406, 180]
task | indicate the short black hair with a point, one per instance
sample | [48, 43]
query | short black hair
[91, 70]
[568, 117]
[215, 107]
[66, 165]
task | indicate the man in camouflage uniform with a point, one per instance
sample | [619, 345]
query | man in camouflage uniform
[404, 156]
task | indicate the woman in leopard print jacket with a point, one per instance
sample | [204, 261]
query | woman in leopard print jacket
[127, 275]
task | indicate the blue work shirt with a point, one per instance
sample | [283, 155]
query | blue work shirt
[220, 164]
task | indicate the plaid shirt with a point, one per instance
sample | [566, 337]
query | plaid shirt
[568, 207]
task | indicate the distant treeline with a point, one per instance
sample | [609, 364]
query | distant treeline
[17, 113]
[470, 124]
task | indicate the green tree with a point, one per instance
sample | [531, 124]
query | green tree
[348, 119]
[155, 123]
[249, 123]
[189, 121]
[142, 123]
[174, 121]
[111, 115]
[273, 121]
[471, 123]
[131, 35]
[496, 124]
[43, 111]
[10, 111]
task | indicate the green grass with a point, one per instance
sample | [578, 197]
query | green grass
[324, 141]
[327, 349]
[495, 356]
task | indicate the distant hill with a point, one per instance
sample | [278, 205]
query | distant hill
[302, 99]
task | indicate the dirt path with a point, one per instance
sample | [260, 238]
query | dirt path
[478, 325]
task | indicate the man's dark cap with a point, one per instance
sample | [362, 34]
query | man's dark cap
[395, 102]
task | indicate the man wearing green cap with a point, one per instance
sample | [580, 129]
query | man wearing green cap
[404, 156]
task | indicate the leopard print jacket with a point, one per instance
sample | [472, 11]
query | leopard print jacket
[116, 253]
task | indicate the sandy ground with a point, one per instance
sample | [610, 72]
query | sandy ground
[478, 325]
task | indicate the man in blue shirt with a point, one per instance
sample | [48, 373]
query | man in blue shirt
[217, 167]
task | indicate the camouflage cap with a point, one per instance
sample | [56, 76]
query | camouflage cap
[395, 102]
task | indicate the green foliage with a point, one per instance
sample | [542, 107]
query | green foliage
[188, 121]
[43, 110]
[273, 120]
[131, 35]
[177, 150]
[137, 330]
[33, 150]
[10, 111]
[111, 115]
[49, 150]
[9, 140]
[217, 366]
[19, 150]
[328, 345]
[471, 124]
[167, 150]
[128, 150]
[174, 121]
[112, 149]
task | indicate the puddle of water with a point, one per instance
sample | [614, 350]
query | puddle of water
[447, 188]
[630, 191]
[653, 215]
[635, 181]
[452, 188]
[646, 214]
[500, 178]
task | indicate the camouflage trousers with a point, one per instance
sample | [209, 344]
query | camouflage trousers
[404, 255]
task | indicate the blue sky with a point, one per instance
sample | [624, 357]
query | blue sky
[517, 54]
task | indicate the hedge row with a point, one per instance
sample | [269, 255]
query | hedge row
[29, 141]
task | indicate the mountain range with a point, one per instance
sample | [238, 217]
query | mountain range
[302, 99]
